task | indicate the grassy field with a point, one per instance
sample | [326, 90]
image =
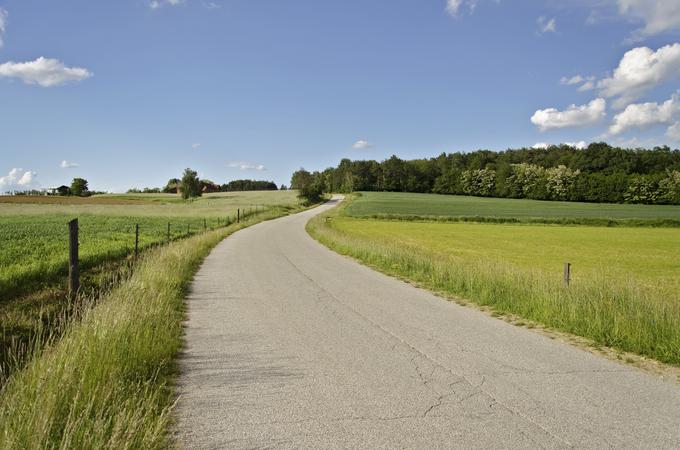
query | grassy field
[34, 249]
[625, 287]
[405, 205]
[107, 383]
[34, 240]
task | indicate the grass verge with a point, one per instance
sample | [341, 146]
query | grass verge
[619, 315]
[106, 382]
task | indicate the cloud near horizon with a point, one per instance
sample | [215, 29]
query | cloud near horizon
[361, 144]
[242, 165]
[45, 72]
[573, 116]
[18, 179]
[68, 165]
[645, 115]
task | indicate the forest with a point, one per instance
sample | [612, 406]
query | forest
[599, 173]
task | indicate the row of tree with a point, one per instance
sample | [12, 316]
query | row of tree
[190, 182]
[598, 173]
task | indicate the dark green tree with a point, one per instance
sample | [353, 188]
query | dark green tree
[190, 186]
[79, 187]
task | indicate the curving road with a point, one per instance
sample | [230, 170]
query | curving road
[291, 345]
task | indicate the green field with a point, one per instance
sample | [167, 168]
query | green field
[625, 287]
[396, 204]
[34, 239]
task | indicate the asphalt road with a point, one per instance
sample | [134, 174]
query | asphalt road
[291, 345]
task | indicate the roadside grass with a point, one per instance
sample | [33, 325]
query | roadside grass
[454, 208]
[107, 382]
[621, 312]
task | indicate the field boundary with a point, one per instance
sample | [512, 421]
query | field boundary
[564, 221]
[614, 315]
[111, 373]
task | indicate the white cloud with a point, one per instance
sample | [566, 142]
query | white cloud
[18, 179]
[68, 165]
[546, 25]
[44, 72]
[640, 70]
[454, 7]
[242, 165]
[644, 115]
[673, 131]
[657, 15]
[576, 79]
[211, 5]
[573, 116]
[544, 145]
[155, 4]
[196, 145]
[361, 145]
[580, 145]
[3, 25]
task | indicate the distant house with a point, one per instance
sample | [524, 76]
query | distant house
[61, 190]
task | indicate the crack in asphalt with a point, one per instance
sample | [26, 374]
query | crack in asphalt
[418, 352]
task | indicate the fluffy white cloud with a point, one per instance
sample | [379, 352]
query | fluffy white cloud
[196, 145]
[587, 83]
[242, 165]
[541, 145]
[644, 115]
[546, 25]
[18, 179]
[3, 25]
[44, 72]
[573, 116]
[578, 145]
[361, 145]
[640, 70]
[155, 4]
[673, 131]
[68, 165]
[657, 15]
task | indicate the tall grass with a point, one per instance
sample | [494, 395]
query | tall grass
[622, 315]
[107, 382]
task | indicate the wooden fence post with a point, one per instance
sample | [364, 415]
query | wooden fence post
[205, 225]
[188, 228]
[73, 269]
[136, 241]
[238, 215]
[567, 274]
[168, 231]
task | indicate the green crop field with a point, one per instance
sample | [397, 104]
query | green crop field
[34, 239]
[405, 204]
[625, 286]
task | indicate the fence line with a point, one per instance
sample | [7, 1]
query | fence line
[74, 243]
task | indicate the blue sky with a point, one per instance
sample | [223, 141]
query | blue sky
[129, 93]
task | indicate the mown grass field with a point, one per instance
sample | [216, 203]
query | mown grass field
[396, 205]
[625, 285]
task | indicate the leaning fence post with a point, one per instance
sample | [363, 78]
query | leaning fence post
[567, 274]
[136, 240]
[73, 272]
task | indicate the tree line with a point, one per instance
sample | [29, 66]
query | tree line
[193, 186]
[599, 173]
